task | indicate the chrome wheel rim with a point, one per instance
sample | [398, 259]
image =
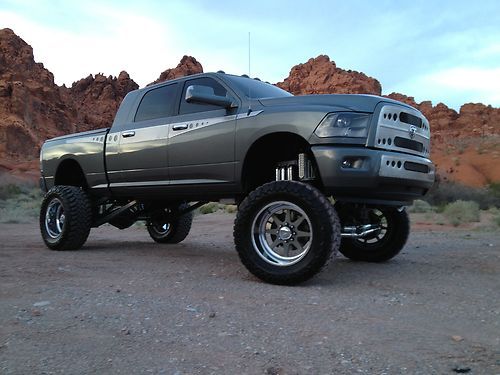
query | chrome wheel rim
[55, 218]
[379, 218]
[162, 229]
[282, 233]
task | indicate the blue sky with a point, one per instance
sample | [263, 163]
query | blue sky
[444, 51]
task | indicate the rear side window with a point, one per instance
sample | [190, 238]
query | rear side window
[210, 86]
[157, 103]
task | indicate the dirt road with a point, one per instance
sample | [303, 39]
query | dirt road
[126, 305]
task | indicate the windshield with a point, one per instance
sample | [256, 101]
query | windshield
[255, 89]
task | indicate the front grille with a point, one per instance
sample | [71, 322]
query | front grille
[402, 129]
[409, 144]
[416, 167]
[408, 118]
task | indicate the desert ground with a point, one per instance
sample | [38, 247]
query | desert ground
[126, 305]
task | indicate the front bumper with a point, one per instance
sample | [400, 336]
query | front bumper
[373, 176]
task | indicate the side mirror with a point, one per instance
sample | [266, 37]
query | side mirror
[205, 95]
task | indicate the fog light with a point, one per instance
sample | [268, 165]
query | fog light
[352, 163]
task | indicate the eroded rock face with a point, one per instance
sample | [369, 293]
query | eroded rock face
[31, 106]
[321, 76]
[186, 67]
[97, 98]
[465, 145]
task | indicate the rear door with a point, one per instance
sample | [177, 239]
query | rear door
[201, 138]
[142, 158]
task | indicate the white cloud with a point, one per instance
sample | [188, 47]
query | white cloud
[458, 85]
[113, 40]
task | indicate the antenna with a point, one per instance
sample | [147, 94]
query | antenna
[249, 96]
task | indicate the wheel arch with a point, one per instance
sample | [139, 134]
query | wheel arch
[69, 172]
[261, 157]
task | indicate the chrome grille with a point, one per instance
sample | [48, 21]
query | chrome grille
[402, 129]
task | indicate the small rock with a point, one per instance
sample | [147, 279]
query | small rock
[41, 303]
[461, 369]
[36, 312]
[211, 315]
[275, 371]
[457, 338]
[125, 331]
[118, 290]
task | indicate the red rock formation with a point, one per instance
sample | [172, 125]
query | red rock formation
[31, 106]
[186, 67]
[465, 145]
[321, 76]
[96, 99]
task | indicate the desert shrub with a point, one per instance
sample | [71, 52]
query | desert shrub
[420, 206]
[445, 192]
[494, 188]
[209, 208]
[496, 219]
[462, 212]
[495, 212]
[19, 203]
[9, 191]
[231, 208]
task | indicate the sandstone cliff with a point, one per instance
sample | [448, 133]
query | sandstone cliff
[186, 67]
[465, 144]
[321, 76]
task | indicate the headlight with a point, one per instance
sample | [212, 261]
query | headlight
[344, 124]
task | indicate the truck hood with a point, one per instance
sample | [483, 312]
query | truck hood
[338, 102]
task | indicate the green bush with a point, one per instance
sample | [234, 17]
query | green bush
[494, 188]
[462, 212]
[19, 203]
[9, 191]
[495, 212]
[231, 208]
[420, 206]
[496, 219]
[445, 192]
[209, 208]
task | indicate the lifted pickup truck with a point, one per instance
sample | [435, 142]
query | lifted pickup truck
[279, 157]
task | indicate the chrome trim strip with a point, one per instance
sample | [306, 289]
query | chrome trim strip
[393, 166]
[198, 124]
[203, 123]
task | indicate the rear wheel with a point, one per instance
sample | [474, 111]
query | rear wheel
[65, 218]
[285, 232]
[383, 244]
[170, 228]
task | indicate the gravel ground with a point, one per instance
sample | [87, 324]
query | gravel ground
[126, 305]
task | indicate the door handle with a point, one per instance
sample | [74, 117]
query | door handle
[128, 134]
[180, 127]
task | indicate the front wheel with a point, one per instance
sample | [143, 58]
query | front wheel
[285, 232]
[169, 228]
[383, 244]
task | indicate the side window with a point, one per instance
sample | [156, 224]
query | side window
[157, 103]
[208, 85]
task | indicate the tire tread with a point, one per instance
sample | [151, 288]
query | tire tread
[329, 240]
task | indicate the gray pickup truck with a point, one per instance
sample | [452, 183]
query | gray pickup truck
[310, 174]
